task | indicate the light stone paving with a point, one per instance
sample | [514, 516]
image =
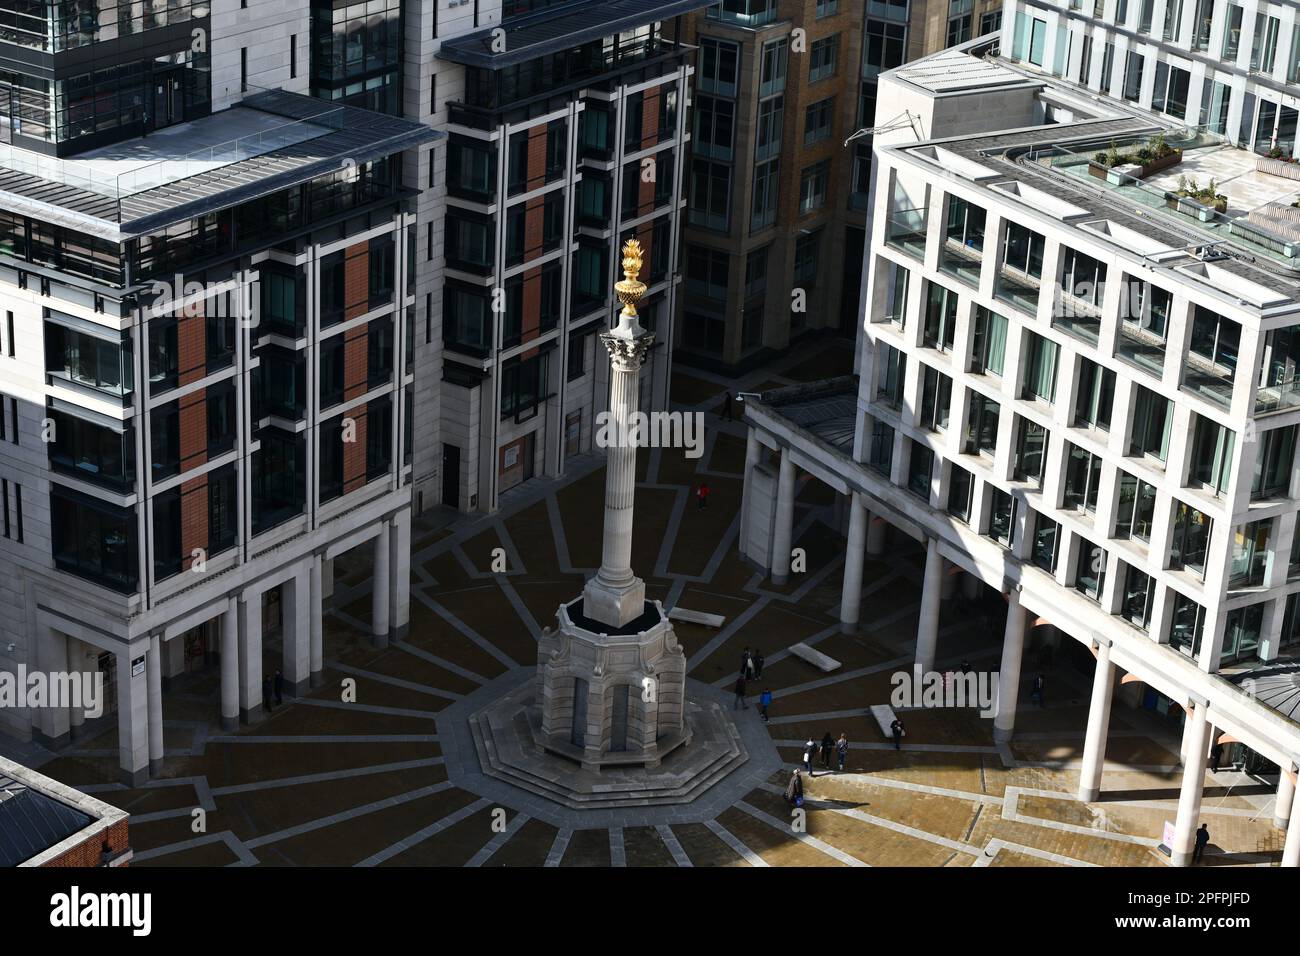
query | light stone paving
[393, 776]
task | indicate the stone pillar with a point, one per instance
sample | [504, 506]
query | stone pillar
[783, 533]
[88, 662]
[1094, 745]
[1013, 649]
[399, 561]
[315, 610]
[1189, 796]
[851, 596]
[132, 719]
[382, 584]
[927, 633]
[153, 672]
[753, 453]
[54, 729]
[297, 632]
[1291, 848]
[250, 658]
[230, 666]
[76, 667]
[1285, 801]
[327, 578]
[877, 532]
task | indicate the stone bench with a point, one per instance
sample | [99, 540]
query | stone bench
[696, 617]
[884, 715]
[815, 658]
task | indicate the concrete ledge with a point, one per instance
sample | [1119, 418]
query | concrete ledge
[884, 716]
[815, 658]
[696, 617]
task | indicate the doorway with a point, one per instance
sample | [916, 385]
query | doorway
[578, 736]
[451, 476]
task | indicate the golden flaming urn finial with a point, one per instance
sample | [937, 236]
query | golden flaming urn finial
[630, 290]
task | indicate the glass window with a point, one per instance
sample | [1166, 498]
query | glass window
[1274, 460]
[961, 492]
[1139, 596]
[824, 55]
[1136, 508]
[1191, 539]
[936, 396]
[1082, 478]
[920, 467]
[1031, 452]
[1186, 626]
[982, 425]
[1040, 368]
[1152, 420]
[1212, 455]
[1002, 516]
[1090, 570]
[940, 318]
[1250, 554]
[989, 342]
[1047, 534]
[1095, 395]
[93, 539]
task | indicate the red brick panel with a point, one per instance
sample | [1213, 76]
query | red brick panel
[354, 452]
[356, 363]
[90, 852]
[192, 347]
[534, 226]
[644, 233]
[194, 518]
[536, 157]
[194, 429]
[531, 321]
[356, 281]
[650, 118]
[645, 193]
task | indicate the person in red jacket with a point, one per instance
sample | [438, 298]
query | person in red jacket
[702, 495]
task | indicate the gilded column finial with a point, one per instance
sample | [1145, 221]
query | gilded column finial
[630, 290]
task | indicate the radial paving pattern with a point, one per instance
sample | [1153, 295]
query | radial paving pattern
[384, 780]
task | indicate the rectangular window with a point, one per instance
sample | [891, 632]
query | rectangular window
[892, 374]
[1041, 356]
[1002, 516]
[961, 492]
[1274, 461]
[766, 188]
[940, 328]
[1136, 508]
[1191, 539]
[1212, 455]
[1185, 629]
[936, 397]
[1095, 395]
[920, 467]
[813, 183]
[1046, 544]
[1090, 570]
[823, 59]
[982, 425]
[1139, 595]
[1031, 452]
[896, 294]
[1250, 554]
[989, 341]
[1152, 420]
[817, 121]
[1082, 478]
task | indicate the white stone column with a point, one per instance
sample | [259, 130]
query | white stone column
[230, 666]
[52, 661]
[1285, 801]
[877, 531]
[1013, 649]
[1094, 745]
[132, 719]
[1189, 795]
[783, 533]
[153, 673]
[1291, 848]
[327, 578]
[380, 591]
[927, 632]
[297, 631]
[399, 616]
[250, 658]
[316, 610]
[76, 659]
[753, 452]
[851, 595]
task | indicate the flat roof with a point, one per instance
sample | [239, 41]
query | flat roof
[827, 409]
[956, 71]
[1019, 155]
[268, 142]
[40, 817]
[558, 28]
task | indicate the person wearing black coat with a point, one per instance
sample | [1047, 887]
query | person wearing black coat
[827, 747]
[794, 789]
[896, 728]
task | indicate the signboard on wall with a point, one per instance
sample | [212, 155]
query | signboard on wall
[137, 667]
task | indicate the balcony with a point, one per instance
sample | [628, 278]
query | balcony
[1277, 398]
[1143, 349]
[961, 261]
[905, 230]
[1017, 289]
[1211, 382]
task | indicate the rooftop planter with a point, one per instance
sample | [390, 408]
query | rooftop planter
[1151, 157]
[1279, 165]
[1207, 199]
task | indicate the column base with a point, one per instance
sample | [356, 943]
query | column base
[297, 688]
[134, 778]
[1179, 858]
[1281, 823]
[51, 743]
[847, 627]
[155, 767]
[251, 715]
[229, 724]
[780, 579]
[379, 640]
[317, 679]
[1089, 794]
[1003, 735]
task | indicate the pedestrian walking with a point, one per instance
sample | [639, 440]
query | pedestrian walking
[268, 694]
[1202, 838]
[702, 495]
[740, 694]
[279, 687]
[841, 752]
[828, 745]
[1216, 755]
[809, 749]
[764, 702]
[794, 789]
[758, 664]
[1037, 695]
[726, 407]
[747, 665]
[896, 728]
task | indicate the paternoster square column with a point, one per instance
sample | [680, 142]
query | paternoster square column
[615, 595]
